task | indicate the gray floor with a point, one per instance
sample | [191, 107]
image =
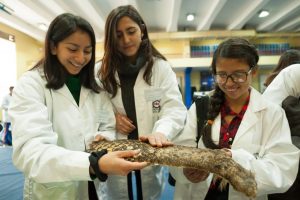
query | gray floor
[11, 180]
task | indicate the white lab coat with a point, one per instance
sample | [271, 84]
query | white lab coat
[262, 144]
[50, 132]
[286, 83]
[169, 120]
[5, 104]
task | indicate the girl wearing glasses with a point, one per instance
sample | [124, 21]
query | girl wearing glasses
[253, 131]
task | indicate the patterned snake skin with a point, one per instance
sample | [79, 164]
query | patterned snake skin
[214, 161]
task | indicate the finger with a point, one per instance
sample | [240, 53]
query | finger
[121, 128]
[128, 153]
[99, 138]
[138, 165]
[127, 123]
[166, 142]
[127, 120]
[127, 128]
[152, 141]
[158, 141]
[143, 138]
[148, 138]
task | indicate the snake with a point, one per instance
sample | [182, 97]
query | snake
[215, 161]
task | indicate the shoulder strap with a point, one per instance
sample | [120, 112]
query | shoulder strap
[201, 111]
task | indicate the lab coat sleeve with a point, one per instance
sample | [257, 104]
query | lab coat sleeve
[187, 137]
[276, 164]
[5, 103]
[35, 150]
[107, 118]
[173, 112]
[285, 83]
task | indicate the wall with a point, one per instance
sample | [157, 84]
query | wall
[28, 49]
[175, 46]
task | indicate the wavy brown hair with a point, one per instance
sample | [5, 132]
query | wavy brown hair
[289, 57]
[112, 59]
[234, 48]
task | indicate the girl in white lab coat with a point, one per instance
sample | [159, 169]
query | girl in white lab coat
[254, 132]
[144, 92]
[286, 83]
[57, 108]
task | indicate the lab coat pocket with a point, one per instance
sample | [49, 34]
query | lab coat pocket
[153, 96]
[57, 190]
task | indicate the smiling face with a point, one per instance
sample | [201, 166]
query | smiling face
[234, 91]
[74, 52]
[129, 38]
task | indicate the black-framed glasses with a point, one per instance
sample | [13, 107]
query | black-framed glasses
[237, 77]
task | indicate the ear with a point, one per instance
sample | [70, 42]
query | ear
[254, 71]
[52, 48]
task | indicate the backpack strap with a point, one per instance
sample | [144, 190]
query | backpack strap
[201, 103]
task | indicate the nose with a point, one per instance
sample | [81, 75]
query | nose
[80, 57]
[126, 38]
[231, 82]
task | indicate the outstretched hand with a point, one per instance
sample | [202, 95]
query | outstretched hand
[156, 139]
[195, 175]
[115, 164]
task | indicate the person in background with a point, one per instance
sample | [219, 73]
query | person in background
[7, 138]
[57, 108]
[144, 92]
[289, 57]
[286, 83]
[252, 130]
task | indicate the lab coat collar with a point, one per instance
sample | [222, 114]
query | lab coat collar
[64, 91]
[250, 119]
[84, 92]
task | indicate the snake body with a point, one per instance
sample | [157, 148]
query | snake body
[214, 161]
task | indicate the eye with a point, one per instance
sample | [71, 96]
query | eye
[72, 49]
[131, 31]
[238, 74]
[222, 74]
[88, 51]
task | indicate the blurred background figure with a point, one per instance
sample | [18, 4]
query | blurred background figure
[289, 57]
[6, 138]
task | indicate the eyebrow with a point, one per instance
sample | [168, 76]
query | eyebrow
[131, 27]
[69, 43]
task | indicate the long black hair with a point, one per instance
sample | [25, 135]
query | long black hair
[236, 48]
[60, 28]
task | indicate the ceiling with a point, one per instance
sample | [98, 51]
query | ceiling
[159, 15]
